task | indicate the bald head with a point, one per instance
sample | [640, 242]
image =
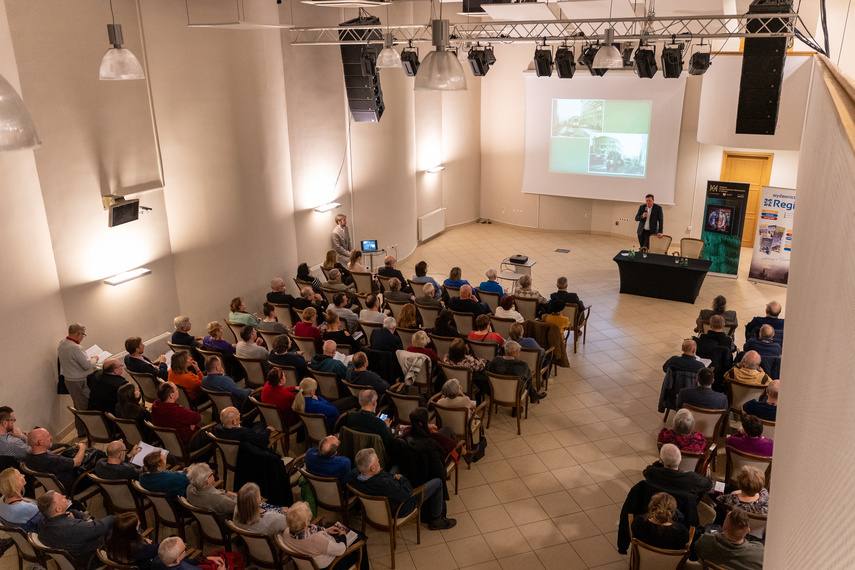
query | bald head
[115, 450]
[689, 347]
[390, 261]
[767, 332]
[329, 347]
[773, 309]
[465, 292]
[772, 392]
[750, 360]
[39, 439]
[230, 417]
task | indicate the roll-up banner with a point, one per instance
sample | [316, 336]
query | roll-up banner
[724, 215]
[774, 240]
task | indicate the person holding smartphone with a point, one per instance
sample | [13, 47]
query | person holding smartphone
[366, 420]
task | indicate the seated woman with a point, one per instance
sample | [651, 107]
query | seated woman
[684, 435]
[130, 406]
[482, 331]
[356, 262]
[282, 355]
[421, 276]
[335, 333]
[276, 393]
[428, 450]
[303, 274]
[185, 372]
[307, 401]
[719, 307]
[750, 439]
[15, 510]
[527, 291]
[331, 262]
[507, 309]
[555, 316]
[454, 278]
[214, 340]
[136, 361]
[458, 356]
[269, 322]
[307, 327]
[407, 317]
[239, 314]
[420, 346]
[322, 544]
[250, 514]
[751, 495]
[125, 544]
[445, 325]
[657, 527]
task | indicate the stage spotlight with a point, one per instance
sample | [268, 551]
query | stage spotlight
[699, 63]
[410, 61]
[565, 62]
[672, 61]
[480, 60]
[587, 59]
[543, 61]
[645, 62]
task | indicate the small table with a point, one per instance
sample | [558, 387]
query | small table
[371, 254]
[512, 271]
[659, 277]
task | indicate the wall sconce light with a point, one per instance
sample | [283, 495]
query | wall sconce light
[327, 207]
[126, 276]
[435, 169]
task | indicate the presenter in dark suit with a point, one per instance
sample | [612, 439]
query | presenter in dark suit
[650, 220]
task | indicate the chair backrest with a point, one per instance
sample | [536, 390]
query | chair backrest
[375, 508]
[235, 329]
[171, 442]
[456, 419]
[463, 375]
[95, 423]
[47, 480]
[368, 328]
[148, 384]
[442, 343]
[26, 551]
[108, 563]
[691, 247]
[355, 389]
[406, 335]
[492, 299]
[505, 389]
[316, 427]
[327, 384]
[301, 561]
[220, 400]
[428, 315]
[737, 459]
[164, 511]
[395, 307]
[707, 565]
[363, 281]
[228, 452]
[254, 371]
[61, 558]
[659, 245]
[450, 291]
[329, 294]
[130, 429]
[328, 491]
[768, 429]
[531, 356]
[118, 495]
[739, 393]
[290, 373]
[423, 378]
[284, 315]
[307, 345]
[301, 283]
[184, 398]
[270, 414]
[502, 326]
[212, 526]
[178, 347]
[571, 311]
[268, 336]
[465, 322]
[526, 307]
[260, 547]
[708, 422]
[404, 404]
[485, 350]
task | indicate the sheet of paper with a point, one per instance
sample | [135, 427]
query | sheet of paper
[96, 350]
[168, 356]
[146, 449]
[351, 537]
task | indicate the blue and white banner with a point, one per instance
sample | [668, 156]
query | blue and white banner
[774, 240]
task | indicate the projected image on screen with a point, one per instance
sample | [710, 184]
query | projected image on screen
[599, 136]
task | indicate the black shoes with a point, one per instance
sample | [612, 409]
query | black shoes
[441, 523]
[533, 395]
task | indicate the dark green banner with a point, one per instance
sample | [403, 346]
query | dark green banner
[723, 218]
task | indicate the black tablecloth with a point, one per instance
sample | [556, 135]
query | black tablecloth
[659, 277]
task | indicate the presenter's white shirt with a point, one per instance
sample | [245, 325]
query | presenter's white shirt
[647, 220]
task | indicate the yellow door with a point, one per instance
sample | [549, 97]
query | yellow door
[755, 169]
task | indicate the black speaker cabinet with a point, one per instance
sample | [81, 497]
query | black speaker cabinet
[361, 78]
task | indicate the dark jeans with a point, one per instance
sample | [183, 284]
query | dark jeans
[433, 505]
[644, 238]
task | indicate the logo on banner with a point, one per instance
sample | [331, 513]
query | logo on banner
[768, 215]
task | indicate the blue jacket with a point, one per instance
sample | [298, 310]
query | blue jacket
[335, 466]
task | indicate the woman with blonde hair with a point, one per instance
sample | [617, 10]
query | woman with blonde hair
[657, 527]
[420, 342]
[307, 401]
[215, 341]
[248, 513]
[320, 543]
[331, 262]
[15, 510]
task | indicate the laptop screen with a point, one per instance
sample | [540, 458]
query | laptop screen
[369, 245]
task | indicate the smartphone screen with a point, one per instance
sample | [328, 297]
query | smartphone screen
[383, 417]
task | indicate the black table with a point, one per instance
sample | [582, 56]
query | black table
[659, 277]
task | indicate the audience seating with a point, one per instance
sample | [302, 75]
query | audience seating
[307, 345]
[697, 462]
[301, 284]
[285, 315]
[290, 373]
[176, 348]
[403, 404]
[220, 401]
[352, 441]
[95, 424]
[691, 247]
[165, 512]
[316, 427]
[507, 391]
[79, 491]
[254, 371]
[423, 381]
[502, 326]
[327, 384]
[461, 373]
[227, 452]
[261, 549]
[269, 337]
[406, 336]
[131, 433]
[578, 324]
[173, 444]
[368, 328]
[212, 527]
[768, 428]
[184, 400]
[235, 328]
[539, 371]
[738, 393]
[483, 349]
[442, 344]
[448, 292]
[330, 494]
[427, 315]
[460, 422]
[465, 322]
[526, 307]
[306, 562]
[737, 459]
[363, 281]
[60, 557]
[119, 497]
[659, 245]
[395, 307]
[756, 522]
[112, 564]
[329, 294]
[148, 384]
[355, 389]
[644, 557]
[26, 551]
[273, 418]
[377, 513]
[728, 328]
[492, 299]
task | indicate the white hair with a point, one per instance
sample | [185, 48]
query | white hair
[390, 323]
[170, 550]
[180, 322]
[491, 274]
[670, 456]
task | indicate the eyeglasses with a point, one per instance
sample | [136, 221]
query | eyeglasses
[13, 420]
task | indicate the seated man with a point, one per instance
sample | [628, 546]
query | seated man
[167, 412]
[491, 285]
[748, 370]
[13, 442]
[358, 373]
[159, 479]
[366, 420]
[370, 479]
[308, 298]
[765, 344]
[509, 365]
[666, 473]
[182, 335]
[372, 313]
[773, 309]
[66, 469]
[388, 270]
[116, 464]
[767, 410]
[336, 283]
[282, 355]
[218, 381]
[171, 554]
[230, 428]
[716, 335]
[104, 387]
[278, 294]
[567, 297]
[340, 308]
[687, 361]
[702, 395]
[386, 338]
[324, 460]
[466, 303]
[73, 531]
[137, 362]
[395, 294]
[250, 344]
[428, 297]
[729, 548]
[326, 362]
[750, 438]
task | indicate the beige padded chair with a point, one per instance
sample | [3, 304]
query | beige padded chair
[26, 550]
[291, 376]
[461, 373]
[307, 345]
[469, 429]
[306, 562]
[300, 284]
[235, 328]
[330, 494]
[213, 529]
[119, 496]
[316, 427]
[428, 315]
[261, 550]
[95, 424]
[483, 349]
[691, 248]
[227, 455]
[173, 444]
[492, 299]
[645, 557]
[327, 384]
[738, 393]
[165, 513]
[708, 422]
[768, 428]
[112, 564]
[329, 294]
[377, 513]
[395, 307]
[659, 244]
[220, 401]
[284, 315]
[254, 371]
[442, 344]
[737, 459]
[60, 557]
[696, 462]
[363, 281]
[539, 371]
[131, 433]
[50, 482]
[272, 417]
[507, 391]
[355, 389]
[578, 324]
[502, 326]
[403, 404]
[406, 335]
[465, 322]
[368, 328]
[526, 307]
[178, 347]
[148, 384]
[269, 337]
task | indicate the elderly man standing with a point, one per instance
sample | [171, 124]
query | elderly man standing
[666, 473]
[748, 370]
[341, 240]
[73, 531]
[388, 270]
[76, 367]
[509, 365]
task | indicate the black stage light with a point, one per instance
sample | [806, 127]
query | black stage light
[543, 61]
[645, 62]
[699, 63]
[480, 60]
[672, 61]
[410, 61]
[587, 59]
[565, 62]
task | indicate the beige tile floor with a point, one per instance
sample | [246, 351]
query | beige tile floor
[551, 497]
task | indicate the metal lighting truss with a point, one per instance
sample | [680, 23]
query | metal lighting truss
[626, 29]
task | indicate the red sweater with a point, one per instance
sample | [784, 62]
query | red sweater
[175, 416]
[283, 398]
